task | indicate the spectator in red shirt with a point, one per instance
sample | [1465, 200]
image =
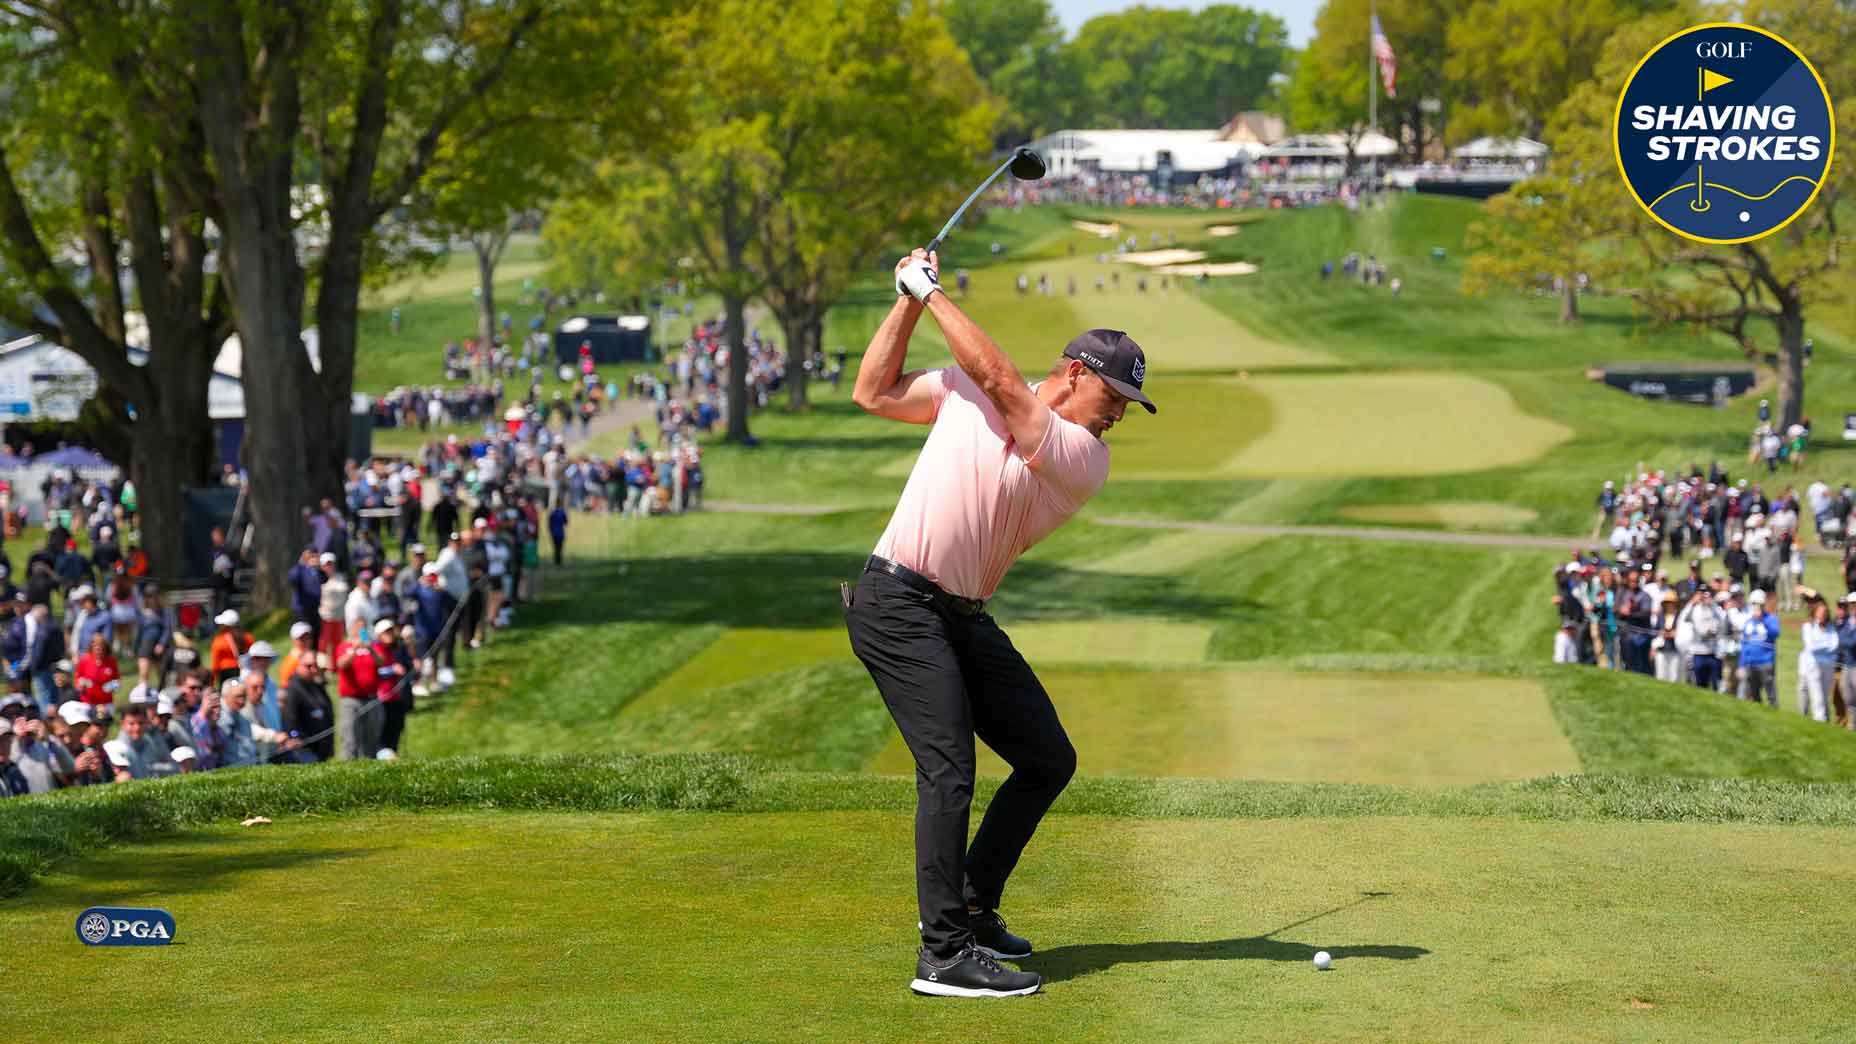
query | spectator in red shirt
[357, 678]
[394, 694]
[98, 677]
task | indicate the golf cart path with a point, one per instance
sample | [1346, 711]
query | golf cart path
[1391, 533]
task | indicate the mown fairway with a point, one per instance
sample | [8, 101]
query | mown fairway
[782, 926]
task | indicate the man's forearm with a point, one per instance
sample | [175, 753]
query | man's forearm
[881, 365]
[973, 349]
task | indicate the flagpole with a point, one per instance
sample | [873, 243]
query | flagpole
[1372, 78]
[1372, 83]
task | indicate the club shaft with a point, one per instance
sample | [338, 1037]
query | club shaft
[935, 244]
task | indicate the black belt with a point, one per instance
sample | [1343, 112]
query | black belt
[953, 603]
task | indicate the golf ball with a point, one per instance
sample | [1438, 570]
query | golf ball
[1323, 961]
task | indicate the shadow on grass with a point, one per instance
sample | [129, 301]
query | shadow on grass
[1070, 962]
[800, 590]
[126, 874]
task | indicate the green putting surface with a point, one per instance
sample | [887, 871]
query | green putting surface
[800, 927]
[1391, 424]
[1352, 727]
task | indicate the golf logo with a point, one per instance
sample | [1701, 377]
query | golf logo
[1724, 133]
[1140, 371]
[93, 927]
[125, 926]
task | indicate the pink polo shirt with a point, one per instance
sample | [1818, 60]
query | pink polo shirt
[975, 500]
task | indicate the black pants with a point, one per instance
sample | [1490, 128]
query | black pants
[945, 678]
[473, 611]
[393, 721]
[559, 543]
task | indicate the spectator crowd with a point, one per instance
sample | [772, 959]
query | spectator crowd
[1715, 625]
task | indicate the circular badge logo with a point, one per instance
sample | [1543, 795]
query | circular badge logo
[93, 928]
[1724, 133]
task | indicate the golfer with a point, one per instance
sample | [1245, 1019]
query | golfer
[1005, 464]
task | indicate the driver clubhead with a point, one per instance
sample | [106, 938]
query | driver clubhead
[1027, 165]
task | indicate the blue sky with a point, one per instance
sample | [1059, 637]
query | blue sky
[1298, 15]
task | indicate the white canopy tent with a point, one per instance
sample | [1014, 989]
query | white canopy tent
[1331, 147]
[1500, 149]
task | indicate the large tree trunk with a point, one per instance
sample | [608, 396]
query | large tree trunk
[1791, 363]
[804, 329]
[329, 395]
[171, 448]
[1569, 298]
[736, 309]
[251, 128]
[486, 306]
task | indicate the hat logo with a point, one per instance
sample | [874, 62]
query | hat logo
[1140, 370]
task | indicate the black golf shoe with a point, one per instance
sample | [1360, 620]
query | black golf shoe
[971, 973]
[990, 935]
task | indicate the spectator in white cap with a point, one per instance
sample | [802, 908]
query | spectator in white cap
[185, 761]
[83, 738]
[173, 725]
[264, 701]
[229, 647]
[334, 603]
[302, 637]
[393, 691]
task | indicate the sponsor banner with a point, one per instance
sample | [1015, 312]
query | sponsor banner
[125, 926]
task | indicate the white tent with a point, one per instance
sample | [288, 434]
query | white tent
[1500, 149]
[1069, 152]
[1331, 146]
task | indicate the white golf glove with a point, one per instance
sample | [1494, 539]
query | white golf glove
[916, 279]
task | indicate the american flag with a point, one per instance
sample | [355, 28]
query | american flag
[1388, 65]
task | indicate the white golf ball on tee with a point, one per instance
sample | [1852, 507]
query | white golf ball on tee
[1323, 960]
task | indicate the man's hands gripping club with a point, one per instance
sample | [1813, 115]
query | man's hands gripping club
[918, 275]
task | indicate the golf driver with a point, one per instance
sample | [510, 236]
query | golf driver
[1024, 164]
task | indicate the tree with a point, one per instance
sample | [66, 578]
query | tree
[103, 213]
[856, 175]
[1513, 62]
[1159, 67]
[784, 187]
[1544, 233]
[1017, 47]
[382, 100]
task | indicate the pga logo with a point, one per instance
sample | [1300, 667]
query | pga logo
[125, 926]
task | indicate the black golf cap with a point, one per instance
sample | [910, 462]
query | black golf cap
[1114, 357]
